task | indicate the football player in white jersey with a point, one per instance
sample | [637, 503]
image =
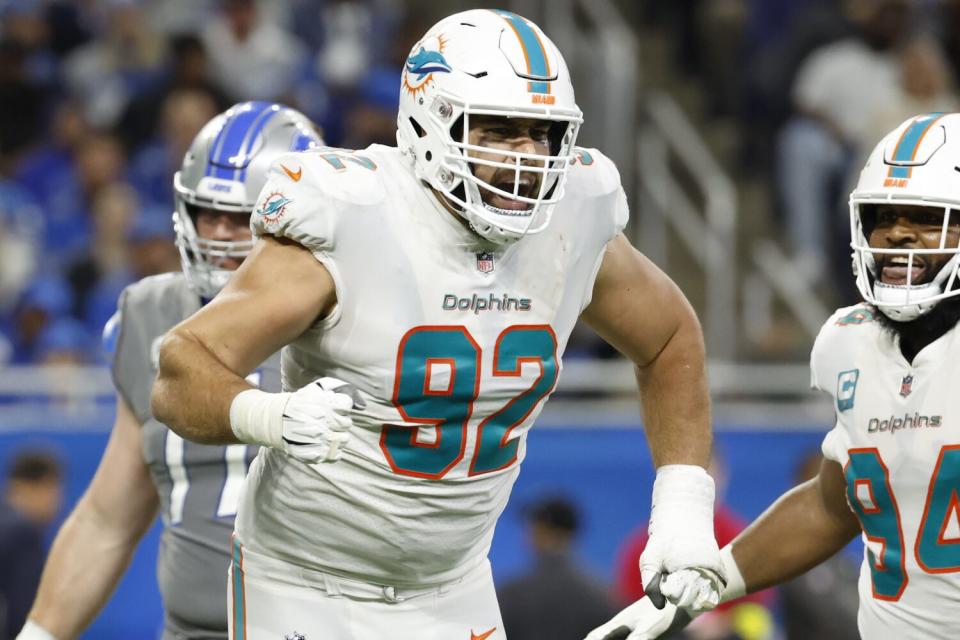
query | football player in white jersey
[146, 468]
[890, 364]
[441, 279]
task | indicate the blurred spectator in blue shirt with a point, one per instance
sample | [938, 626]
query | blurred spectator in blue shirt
[66, 341]
[45, 300]
[32, 499]
[45, 169]
[183, 113]
[98, 161]
[150, 250]
[373, 117]
[114, 214]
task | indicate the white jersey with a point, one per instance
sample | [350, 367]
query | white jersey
[454, 345]
[898, 439]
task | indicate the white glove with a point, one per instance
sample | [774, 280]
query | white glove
[33, 631]
[645, 621]
[642, 621]
[681, 562]
[311, 424]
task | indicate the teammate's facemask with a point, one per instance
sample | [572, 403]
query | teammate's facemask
[488, 63]
[224, 170]
[913, 171]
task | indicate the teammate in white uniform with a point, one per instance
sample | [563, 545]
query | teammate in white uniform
[441, 279]
[146, 468]
[892, 468]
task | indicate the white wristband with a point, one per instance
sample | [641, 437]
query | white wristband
[736, 587]
[256, 417]
[682, 498]
[32, 631]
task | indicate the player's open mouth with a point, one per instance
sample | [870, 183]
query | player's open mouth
[525, 189]
[896, 269]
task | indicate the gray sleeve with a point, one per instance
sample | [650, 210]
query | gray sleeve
[131, 363]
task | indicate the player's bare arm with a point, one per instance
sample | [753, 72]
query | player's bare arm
[644, 315]
[204, 359]
[96, 542]
[814, 517]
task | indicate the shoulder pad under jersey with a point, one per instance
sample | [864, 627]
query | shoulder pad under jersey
[835, 346]
[591, 174]
[593, 187]
[306, 192]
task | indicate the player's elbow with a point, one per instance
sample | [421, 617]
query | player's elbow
[171, 379]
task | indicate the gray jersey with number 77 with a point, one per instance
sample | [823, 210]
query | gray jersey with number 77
[199, 485]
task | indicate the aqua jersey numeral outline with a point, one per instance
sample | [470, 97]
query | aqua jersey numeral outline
[879, 520]
[449, 411]
[934, 552]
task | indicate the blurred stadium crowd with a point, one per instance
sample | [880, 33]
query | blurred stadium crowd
[98, 102]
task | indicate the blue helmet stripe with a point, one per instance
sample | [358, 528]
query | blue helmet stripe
[909, 142]
[235, 139]
[252, 136]
[537, 65]
[216, 149]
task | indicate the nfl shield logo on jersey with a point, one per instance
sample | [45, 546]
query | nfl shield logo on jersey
[906, 385]
[485, 261]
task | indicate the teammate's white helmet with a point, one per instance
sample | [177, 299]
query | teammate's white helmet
[915, 164]
[224, 169]
[491, 63]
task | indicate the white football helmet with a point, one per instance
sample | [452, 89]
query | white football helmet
[224, 169]
[489, 63]
[915, 164]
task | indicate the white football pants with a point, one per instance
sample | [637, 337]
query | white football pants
[269, 599]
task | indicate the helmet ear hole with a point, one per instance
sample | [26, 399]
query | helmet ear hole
[192, 211]
[456, 129]
[417, 128]
[555, 136]
[868, 217]
[428, 156]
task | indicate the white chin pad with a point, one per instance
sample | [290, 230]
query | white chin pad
[905, 303]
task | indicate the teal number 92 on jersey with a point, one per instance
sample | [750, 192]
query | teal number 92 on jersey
[437, 381]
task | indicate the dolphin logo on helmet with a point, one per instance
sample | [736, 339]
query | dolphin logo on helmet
[425, 62]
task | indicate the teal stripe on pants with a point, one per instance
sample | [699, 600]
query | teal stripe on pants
[239, 615]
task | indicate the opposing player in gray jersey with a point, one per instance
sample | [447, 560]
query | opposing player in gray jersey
[147, 468]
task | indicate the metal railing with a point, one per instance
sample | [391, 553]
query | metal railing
[708, 233]
[44, 399]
